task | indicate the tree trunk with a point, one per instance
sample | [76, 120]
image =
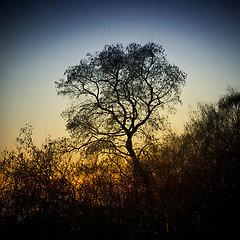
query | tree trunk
[141, 176]
[133, 156]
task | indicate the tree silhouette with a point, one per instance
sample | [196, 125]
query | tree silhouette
[116, 93]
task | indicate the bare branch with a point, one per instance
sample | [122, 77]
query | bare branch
[119, 90]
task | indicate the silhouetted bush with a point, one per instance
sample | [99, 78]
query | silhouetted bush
[191, 188]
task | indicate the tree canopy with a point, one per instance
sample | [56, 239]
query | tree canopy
[116, 92]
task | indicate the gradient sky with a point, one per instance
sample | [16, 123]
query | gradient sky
[39, 40]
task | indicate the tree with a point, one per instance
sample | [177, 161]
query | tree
[229, 105]
[116, 93]
[212, 140]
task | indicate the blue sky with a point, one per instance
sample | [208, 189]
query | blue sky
[40, 39]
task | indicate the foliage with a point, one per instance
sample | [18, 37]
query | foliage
[193, 190]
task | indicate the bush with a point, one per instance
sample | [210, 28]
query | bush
[192, 190]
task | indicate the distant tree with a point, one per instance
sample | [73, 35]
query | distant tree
[116, 93]
[229, 105]
[212, 138]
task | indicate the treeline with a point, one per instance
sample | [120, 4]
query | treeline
[189, 189]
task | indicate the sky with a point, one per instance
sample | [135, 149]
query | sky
[40, 39]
